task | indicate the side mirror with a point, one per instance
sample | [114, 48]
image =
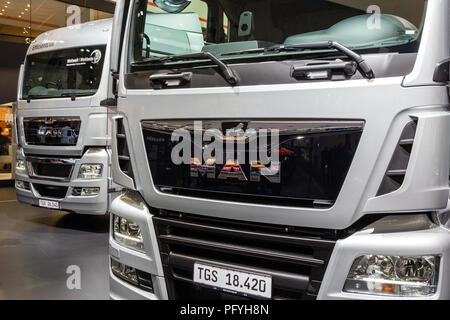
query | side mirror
[172, 6]
[441, 73]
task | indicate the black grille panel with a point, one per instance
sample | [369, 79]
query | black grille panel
[51, 191]
[296, 259]
[52, 131]
[51, 168]
[312, 159]
[56, 170]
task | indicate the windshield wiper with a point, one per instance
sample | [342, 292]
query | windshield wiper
[227, 73]
[63, 95]
[363, 66]
[39, 96]
[73, 95]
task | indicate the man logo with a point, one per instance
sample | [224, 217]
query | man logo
[50, 132]
[97, 56]
[225, 151]
[54, 133]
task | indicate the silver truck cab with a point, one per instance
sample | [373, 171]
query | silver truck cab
[64, 129]
[334, 182]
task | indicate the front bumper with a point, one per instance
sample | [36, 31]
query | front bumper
[433, 241]
[92, 205]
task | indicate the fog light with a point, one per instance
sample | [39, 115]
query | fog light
[393, 275]
[123, 271]
[20, 165]
[136, 277]
[128, 233]
[22, 185]
[90, 171]
[86, 192]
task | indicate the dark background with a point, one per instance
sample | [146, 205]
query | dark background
[12, 56]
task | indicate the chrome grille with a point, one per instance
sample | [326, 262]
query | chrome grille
[53, 131]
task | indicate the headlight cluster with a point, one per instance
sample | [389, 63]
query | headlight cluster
[20, 165]
[393, 275]
[128, 233]
[90, 171]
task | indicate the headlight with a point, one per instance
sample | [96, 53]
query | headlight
[90, 171]
[20, 165]
[128, 233]
[393, 275]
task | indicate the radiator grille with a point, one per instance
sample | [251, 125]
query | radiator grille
[52, 131]
[296, 259]
[310, 159]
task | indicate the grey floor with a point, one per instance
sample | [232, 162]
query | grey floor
[37, 246]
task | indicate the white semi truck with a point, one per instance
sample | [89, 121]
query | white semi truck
[301, 153]
[63, 120]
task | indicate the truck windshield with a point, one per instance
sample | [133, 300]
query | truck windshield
[236, 29]
[63, 73]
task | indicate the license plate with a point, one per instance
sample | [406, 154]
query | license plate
[49, 204]
[233, 281]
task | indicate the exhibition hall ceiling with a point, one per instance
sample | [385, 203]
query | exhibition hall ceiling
[22, 19]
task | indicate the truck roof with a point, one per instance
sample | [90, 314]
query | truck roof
[85, 34]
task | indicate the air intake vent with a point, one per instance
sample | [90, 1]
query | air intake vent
[50, 191]
[122, 149]
[395, 174]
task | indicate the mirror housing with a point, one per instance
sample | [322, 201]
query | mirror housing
[441, 73]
